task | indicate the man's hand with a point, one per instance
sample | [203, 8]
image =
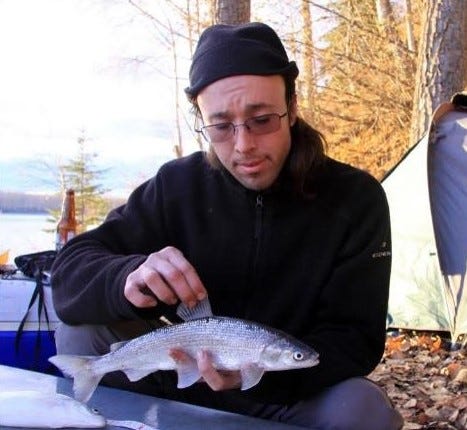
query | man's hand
[164, 276]
[217, 380]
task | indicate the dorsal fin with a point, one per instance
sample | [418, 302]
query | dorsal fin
[201, 310]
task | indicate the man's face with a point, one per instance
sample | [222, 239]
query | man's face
[254, 160]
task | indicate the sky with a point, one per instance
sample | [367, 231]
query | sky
[65, 71]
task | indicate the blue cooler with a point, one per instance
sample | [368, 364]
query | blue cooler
[30, 346]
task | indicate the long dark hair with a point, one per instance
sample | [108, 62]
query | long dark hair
[307, 153]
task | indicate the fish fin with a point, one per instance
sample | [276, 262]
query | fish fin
[251, 375]
[79, 368]
[118, 345]
[201, 310]
[137, 374]
[188, 373]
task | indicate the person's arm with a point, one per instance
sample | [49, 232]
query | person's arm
[124, 268]
[350, 323]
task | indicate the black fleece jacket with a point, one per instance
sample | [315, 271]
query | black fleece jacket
[316, 268]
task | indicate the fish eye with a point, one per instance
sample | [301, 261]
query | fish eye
[95, 411]
[298, 356]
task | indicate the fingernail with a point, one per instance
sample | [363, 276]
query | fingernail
[191, 303]
[201, 296]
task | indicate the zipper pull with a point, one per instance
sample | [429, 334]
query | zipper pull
[259, 201]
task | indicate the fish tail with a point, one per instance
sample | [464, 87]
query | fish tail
[79, 367]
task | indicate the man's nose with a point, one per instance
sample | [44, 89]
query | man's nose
[244, 139]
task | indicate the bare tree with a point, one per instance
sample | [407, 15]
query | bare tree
[384, 12]
[233, 11]
[178, 146]
[365, 84]
[441, 63]
[409, 26]
[307, 79]
[176, 26]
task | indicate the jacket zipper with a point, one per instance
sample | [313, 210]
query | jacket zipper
[258, 227]
[259, 218]
[258, 231]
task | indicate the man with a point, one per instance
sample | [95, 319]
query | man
[264, 224]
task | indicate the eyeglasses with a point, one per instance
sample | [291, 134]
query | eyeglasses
[257, 125]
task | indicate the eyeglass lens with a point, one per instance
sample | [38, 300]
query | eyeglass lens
[257, 125]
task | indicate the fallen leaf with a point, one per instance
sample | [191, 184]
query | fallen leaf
[410, 404]
[461, 376]
[426, 380]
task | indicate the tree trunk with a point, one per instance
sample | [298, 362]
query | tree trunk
[384, 12]
[178, 145]
[308, 75]
[233, 11]
[411, 45]
[441, 66]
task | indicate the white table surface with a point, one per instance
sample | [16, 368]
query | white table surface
[123, 405]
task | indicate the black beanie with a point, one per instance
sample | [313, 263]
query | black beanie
[229, 50]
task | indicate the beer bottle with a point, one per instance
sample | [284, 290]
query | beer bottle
[66, 227]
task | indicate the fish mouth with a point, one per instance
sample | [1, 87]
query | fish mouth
[315, 361]
[311, 361]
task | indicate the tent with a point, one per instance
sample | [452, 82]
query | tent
[427, 195]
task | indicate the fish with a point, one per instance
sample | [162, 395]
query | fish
[28, 408]
[233, 344]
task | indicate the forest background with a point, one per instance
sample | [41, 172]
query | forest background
[371, 74]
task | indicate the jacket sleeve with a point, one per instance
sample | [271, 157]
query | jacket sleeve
[349, 324]
[89, 273]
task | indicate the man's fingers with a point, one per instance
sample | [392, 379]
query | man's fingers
[217, 380]
[174, 283]
[179, 356]
[165, 276]
[184, 276]
[144, 288]
[137, 293]
[154, 280]
[207, 371]
[176, 277]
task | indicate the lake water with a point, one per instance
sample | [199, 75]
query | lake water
[24, 233]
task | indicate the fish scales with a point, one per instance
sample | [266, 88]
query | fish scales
[233, 344]
[230, 342]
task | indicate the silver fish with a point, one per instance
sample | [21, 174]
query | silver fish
[233, 344]
[25, 408]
